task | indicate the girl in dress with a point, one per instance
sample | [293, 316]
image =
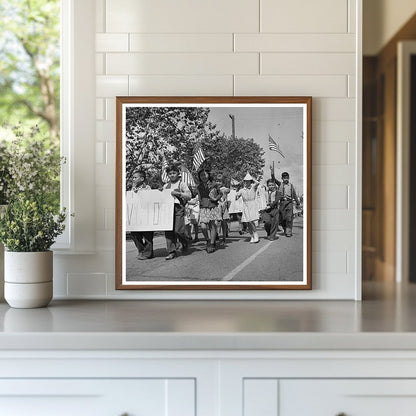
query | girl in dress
[209, 210]
[250, 206]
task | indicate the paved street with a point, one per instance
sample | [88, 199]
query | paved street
[238, 260]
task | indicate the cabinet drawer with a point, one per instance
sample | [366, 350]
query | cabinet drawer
[86, 397]
[348, 397]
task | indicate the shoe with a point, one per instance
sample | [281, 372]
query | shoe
[288, 234]
[170, 256]
[196, 239]
[272, 238]
[185, 246]
[210, 249]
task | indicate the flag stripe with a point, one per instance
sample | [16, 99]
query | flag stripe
[198, 157]
[187, 177]
[165, 178]
[274, 146]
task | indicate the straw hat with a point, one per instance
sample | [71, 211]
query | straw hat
[248, 177]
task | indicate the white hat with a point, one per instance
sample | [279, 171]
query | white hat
[248, 177]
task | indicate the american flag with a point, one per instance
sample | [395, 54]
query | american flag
[274, 146]
[186, 176]
[198, 157]
[165, 178]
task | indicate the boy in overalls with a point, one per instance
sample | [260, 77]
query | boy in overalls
[181, 195]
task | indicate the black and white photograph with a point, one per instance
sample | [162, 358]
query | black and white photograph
[213, 193]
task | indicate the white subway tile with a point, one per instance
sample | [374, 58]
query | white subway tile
[332, 130]
[181, 63]
[111, 153]
[182, 16]
[109, 219]
[329, 262]
[100, 15]
[99, 109]
[330, 153]
[110, 109]
[333, 219]
[351, 86]
[181, 85]
[112, 86]
[112, 42]
[351, 261]
[100, 219]
[330, 197]
[310, 85]
[307, 63]
[300, 16]
[333, 175]
[333, 240]
[100, 156]
[183, 42]
[104, 196]
[294, 42]
[105, 239]
[340, 109]
[99, 63]
[352, 20]
[105, 131]
[86, 284]
[105, 175]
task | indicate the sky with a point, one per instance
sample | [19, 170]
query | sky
[284, 123]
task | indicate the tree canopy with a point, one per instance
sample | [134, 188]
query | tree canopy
[30, 62]
[173, 132]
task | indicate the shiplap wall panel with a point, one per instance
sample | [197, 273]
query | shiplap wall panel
[182, 16]
[181, 85]
[174, 42]
[307, 63]
[233, 47]
[283, 42]
[300, 16]
[180, 63]
[314, 85]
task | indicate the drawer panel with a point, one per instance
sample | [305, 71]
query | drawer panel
[349, 397]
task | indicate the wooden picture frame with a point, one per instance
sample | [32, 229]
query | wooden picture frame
[233, 138]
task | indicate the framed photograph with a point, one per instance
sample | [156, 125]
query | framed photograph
[213, 193]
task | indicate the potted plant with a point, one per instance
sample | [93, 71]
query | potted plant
[32, 220]
[28, 228]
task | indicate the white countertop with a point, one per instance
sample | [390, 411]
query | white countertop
[383, 320]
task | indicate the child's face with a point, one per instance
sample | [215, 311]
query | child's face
[138, 179]
[219, 180]
[204, 176]
[271, 186]
[247, 184]
[285, 179]
[173, 176]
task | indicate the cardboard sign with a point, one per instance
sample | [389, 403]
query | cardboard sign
[150, 210]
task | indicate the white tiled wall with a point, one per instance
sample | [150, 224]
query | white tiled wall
[233, 47]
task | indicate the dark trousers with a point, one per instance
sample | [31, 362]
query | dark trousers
[144, 242]
[271, 222]
[286, 214]
[178, 232]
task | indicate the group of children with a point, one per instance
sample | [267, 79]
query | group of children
[211, 204]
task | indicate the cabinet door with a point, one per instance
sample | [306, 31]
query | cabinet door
[347, 397]
[86, 397]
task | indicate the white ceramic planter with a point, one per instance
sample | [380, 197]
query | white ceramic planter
[2, 210]
[28, 279]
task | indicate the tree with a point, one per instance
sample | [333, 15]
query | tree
[29, 62]
[173, 132]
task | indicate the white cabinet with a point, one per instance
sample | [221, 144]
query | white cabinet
[207, 383]
[348, 397]
[82, 397]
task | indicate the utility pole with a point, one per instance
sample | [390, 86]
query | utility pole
[233, 124]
